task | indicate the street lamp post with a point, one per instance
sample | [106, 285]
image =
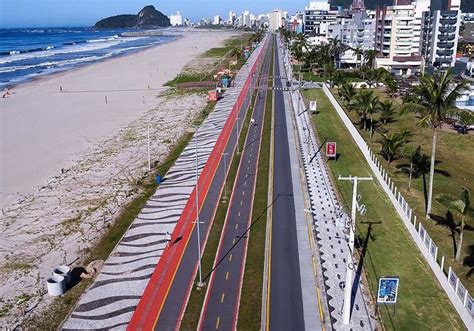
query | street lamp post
[237, 133]
[225, 171]
[149, 157]
[350, 265]
[200, 283]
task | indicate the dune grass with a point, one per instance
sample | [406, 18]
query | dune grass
[389, 249]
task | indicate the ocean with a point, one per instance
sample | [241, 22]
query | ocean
[29, 53]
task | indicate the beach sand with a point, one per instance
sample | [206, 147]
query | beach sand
[43, 130]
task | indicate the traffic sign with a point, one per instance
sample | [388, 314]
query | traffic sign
[331, 149]
[313, 105]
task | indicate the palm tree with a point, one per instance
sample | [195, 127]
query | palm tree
[335, 47]
[411, 154]
[365, 103]
[466, 119]
[460, 207]
[347, 92]
[391, 143]
[369, 57]
[387, 111]
[358, 52]
[435, 97]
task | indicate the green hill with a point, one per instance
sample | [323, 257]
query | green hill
[147, 18]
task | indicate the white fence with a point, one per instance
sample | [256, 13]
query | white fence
[457, 293]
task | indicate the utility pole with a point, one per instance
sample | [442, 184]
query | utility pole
[350, 266]
[149, 157]
[200, 283]
[225, 171]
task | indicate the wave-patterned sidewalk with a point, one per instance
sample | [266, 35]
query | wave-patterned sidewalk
[112, 299]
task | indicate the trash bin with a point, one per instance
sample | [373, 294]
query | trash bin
[159, 179]
[63, 270]
[56, 285]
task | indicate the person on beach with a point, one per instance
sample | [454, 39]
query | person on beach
[60, 88]
[7, 93]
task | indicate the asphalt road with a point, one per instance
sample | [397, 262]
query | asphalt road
[286, 303]
[221, 305]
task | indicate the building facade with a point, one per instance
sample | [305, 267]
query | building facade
[276, 19]
[176, 20]
[440, 33]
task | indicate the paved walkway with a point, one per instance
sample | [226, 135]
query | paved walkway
[112, 299]
[329, 226]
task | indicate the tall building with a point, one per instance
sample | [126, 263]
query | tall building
[176, 20]
[232, 17]
[394, 39]
[440, 33]
[216, 20]
[246, 19]
[317, 17]
[356, 32]
[358, 6]
[276, 19]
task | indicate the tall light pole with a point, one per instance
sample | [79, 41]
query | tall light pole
[225, 171]
[237, 133]
[350, 258]
[200, 283]
[149, 157]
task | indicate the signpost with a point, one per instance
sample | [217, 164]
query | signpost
[331, 149]
[388, 290]
[313, 105]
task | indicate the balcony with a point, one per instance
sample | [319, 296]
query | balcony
[445, 44]
[446, 37]
[441, 52]
[445, 29]
[448, 21]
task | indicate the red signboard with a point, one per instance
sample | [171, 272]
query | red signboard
[330, 149]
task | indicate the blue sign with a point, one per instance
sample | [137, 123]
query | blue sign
[388, 290]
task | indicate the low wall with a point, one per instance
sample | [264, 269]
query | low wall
[457, 293]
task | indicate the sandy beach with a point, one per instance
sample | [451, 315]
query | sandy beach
[70, 160]
[43, 130]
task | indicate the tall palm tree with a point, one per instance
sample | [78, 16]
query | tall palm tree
[435, 97]
[335, 47]
[386, 109]
[358, 52]
[391, 143]
[460, 207]
[369, 57]
[365, 103]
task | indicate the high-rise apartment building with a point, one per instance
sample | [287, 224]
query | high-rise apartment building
[276, 19]
[176, 20]
[440, 33]
[232, 17]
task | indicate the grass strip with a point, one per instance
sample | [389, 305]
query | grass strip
[384, 243]
[193, 308]
[62, 306]
[250, 314]
[454, 153]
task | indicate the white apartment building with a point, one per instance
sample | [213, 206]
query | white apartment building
[216, 20]
[317, 17]
[176, 20]
[232, 17]
[276, 19]
[245, 21]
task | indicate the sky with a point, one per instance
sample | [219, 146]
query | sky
[59, 13]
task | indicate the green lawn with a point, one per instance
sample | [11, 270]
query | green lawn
[390, 251]
[455, 157]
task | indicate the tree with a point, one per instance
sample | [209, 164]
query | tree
[369, 57]
[358, 52]
[460, 207]
[335, 48]
[347, 92]
[365, 103]
[412, 154]
[391, 86]
[465, 118]
[386, 110]
[391, 143]
[435, 97]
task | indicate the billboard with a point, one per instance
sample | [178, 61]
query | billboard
[330, 149]
[388, 290]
